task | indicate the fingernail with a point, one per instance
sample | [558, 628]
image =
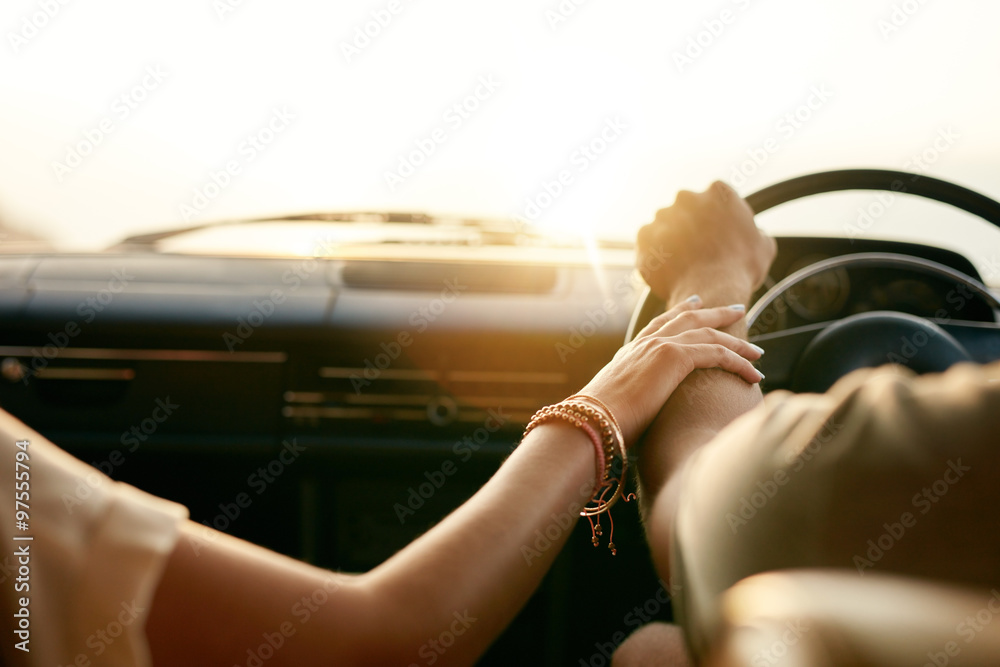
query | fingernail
[762, 376]
[694, 298]
[757, 347]
[737, 306]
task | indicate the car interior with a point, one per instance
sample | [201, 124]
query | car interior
[278, 398]
[329, 375]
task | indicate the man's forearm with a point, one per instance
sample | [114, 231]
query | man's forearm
[703, 404]
[706, 401]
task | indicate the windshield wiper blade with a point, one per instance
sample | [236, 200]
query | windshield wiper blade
[358, 216]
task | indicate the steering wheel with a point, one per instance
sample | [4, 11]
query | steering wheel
[814, 356]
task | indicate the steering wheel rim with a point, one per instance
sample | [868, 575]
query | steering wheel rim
[854, 179]
[904, 182]
[869, 259]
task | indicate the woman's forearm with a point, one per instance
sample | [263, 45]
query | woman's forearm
[475, 570]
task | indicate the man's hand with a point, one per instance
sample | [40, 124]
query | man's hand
[711, 237]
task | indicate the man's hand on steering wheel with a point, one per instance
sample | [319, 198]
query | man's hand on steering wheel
[709, 234]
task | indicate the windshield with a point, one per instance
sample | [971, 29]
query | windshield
[122, 119]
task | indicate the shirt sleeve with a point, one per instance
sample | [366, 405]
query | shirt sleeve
[96, 553]
[886, 472]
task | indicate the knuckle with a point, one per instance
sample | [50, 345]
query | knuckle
[685, 198]
[651, 343]
[667, 348]
[684, 193]
[722, 190]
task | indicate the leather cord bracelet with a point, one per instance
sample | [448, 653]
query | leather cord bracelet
[595, 419]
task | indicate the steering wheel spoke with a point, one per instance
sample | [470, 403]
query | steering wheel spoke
[980, 339]
[783, 351]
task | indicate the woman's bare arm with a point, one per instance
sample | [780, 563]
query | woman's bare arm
[444, 598]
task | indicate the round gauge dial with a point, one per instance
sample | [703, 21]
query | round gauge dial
[820, 297]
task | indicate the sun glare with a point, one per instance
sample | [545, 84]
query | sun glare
[123, 118]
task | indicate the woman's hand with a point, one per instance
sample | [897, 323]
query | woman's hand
[643, 374]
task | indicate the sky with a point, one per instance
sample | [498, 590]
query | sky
[583, 116]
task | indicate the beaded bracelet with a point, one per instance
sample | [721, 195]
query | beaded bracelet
[559, 411]
[598, 403]
[597, 421]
